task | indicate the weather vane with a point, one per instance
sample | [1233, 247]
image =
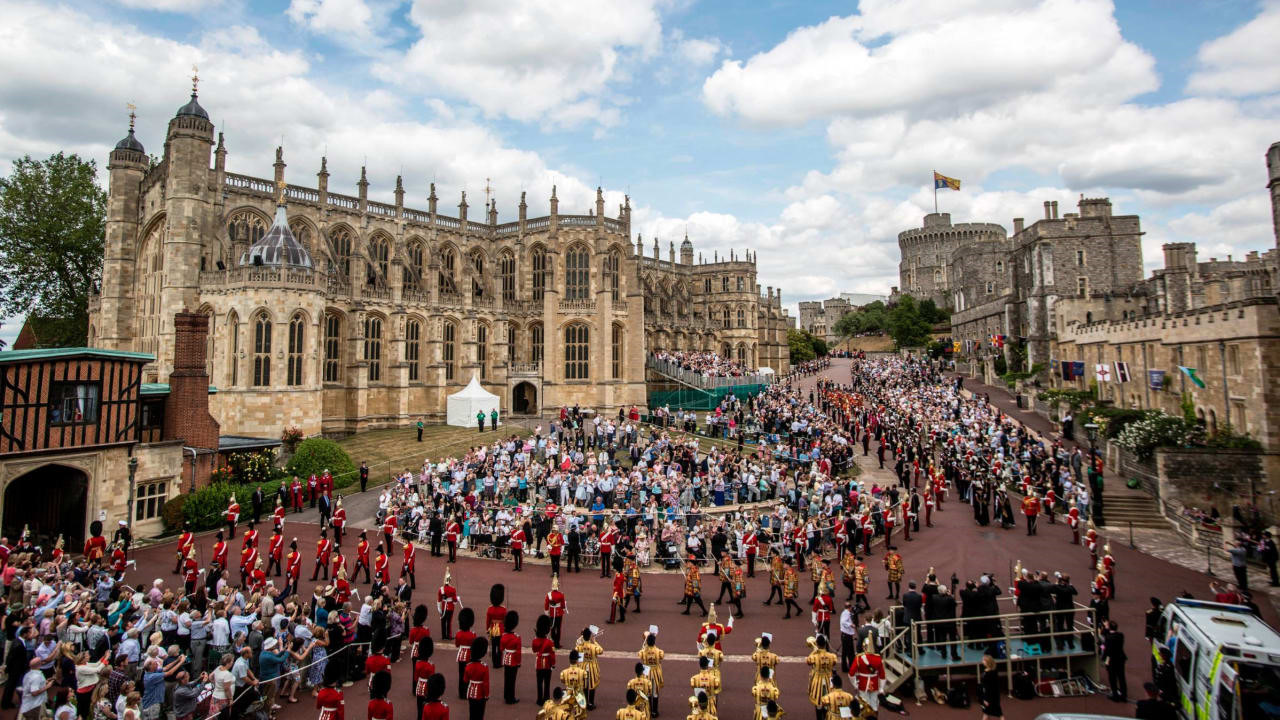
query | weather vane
[195, 78]
[132, 114]
[486, 192]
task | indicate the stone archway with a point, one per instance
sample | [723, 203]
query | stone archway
[52, 500]
[524, 399]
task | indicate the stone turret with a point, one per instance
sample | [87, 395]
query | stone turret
[127, 166]
[686, 250]
[1273, 184]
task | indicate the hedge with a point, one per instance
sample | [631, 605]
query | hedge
[205, 508]
[315, 455]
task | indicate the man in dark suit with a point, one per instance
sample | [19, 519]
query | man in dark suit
[942, 608]
[1114, 658]
[17, 662]
[326, 509]
[912, 609]
[257, 499]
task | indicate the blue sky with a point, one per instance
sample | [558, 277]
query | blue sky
[805, 131]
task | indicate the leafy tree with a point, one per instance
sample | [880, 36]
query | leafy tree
[906, 326]
[819, 346]
[870, 318]
[52, 221]
[315, 455]
[931, 313]
[801, 346]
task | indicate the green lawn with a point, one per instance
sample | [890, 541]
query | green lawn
[394, 450]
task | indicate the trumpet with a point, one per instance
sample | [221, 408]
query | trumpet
[812, 642]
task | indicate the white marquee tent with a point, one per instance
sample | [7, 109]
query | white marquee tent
[464, 404]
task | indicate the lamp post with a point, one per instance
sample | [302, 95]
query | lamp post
[133, 471]
[1095, 477]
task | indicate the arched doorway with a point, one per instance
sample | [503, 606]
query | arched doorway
[524, 399]
[50, 499]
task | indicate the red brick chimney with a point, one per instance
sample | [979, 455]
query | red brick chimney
[186, 414]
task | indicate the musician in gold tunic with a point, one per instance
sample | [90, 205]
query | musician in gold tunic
[633, 709]
[574, 680]
[777, 573]
[590, 651]
[556, 707]
[707, 680]
[790, 589]
[642, 687]
[700, 707]
[651, 655]
[820, 662]
[836, 699]
[708, 650]
[763, 657]
[762, 692]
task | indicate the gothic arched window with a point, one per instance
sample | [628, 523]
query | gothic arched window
[379, 251]
[482, 349]
[535, 343]
[297, 331]
[332, 348]
[413, 271]
[507, 271]
[612, 261]
[342, 252]
[373, 346]
[233, 358]
[413, 347]
[450, 350]
[261, 350]
[577, 349]
[577, 280]
[446, 276]
[618, 340]
[541, 273]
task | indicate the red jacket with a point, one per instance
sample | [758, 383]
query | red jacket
[619, 586]
[510, 644]
[276, 547]
[362, 553]
[294, 568]
[476, 676]
[323, 548]
[422, 671]
[462, 639]
[408, 556]
[544, 653]
[867, 672]
[381, 710]
[435, 711]
[554, 604]
[446, 598]
[415, 636]
[493, 618]
[331, 704]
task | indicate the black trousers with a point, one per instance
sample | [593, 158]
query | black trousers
[542, 682]
[360, 564]
[847, 651]
[689, 600]
[1116, 679]
[574, 563]
[509, 673]
[273, 563]
[555, 564]
[453, 552]
[477, 708]
[446, 625]
[556, 624]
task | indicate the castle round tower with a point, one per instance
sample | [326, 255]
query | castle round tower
[926, 254]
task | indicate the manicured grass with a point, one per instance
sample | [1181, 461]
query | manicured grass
[391, 451]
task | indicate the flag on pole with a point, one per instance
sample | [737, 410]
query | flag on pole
[1122, 371]
[1191, 373]
[942, 182]
[1102, 371]
[955, 346]
[1156, 379]
[1077, 368]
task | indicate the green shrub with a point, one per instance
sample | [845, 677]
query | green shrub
[1227, 438]
[1155, 430]
[315, 455]
[172, 511]
[204, 508]
[1112, 419]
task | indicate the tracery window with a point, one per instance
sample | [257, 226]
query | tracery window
[577, 281]
[413, 271]
[233, 359]
[618, 340]
[535, 343]
[378, 253]
[540, 273]
[413, 347]
[477, 274]
[611, 265]
[373, 346]
[332, 348]
[507, 271]
[297, 329]
[446, 276]
[450, 350]
[341, 239]
[577, 348]
[261, 351]
[482, 349]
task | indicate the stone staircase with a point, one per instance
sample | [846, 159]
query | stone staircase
[1122, 508]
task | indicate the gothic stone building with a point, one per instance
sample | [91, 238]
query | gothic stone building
[334, 313]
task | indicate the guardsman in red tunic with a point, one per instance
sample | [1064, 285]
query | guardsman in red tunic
[451, 533]
[232, 516]
[434, 708]
[381, 567]
[339, 562]
[1073, 522]
[518, 539]
[186, 541]
[1109, 567]
[446, 602]
[868, 674]
[712, 626]
[822, 609]
[277, 517]
[362, 558]
[1031, 508]
[462, 640]
[906, 520]
[928, 507]
[607, 539]
[324, 548]
[494, 616]
[293, 569]
[248, 559]
[275, 552]
[220, 552]
[544, 658]
[95, 548]
[258, 578]
[509, 645]
[250, 537]
[118, 561]
[868, 532]
[555, 546]
[1050, 498]
[617, 601]
[330, 701]
[752, 543]
[475, 678]
[58, 552]
[406, 567]
[190, 572]
[389, 527]
[423, 670]
[339, 522]
[555, 606]
[341, 588]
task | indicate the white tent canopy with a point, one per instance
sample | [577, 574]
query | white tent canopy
[467, 402]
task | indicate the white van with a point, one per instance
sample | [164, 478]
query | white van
[1226, 660]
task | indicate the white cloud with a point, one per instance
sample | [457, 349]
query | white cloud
[1243, 62]
[554, 61]
[336, 18]
[170, 5]
[933, 61]
[696, 52]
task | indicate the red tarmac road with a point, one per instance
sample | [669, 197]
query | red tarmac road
[956, 544]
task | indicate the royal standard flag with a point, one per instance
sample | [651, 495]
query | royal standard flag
[1191, 373]
[942, 182]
